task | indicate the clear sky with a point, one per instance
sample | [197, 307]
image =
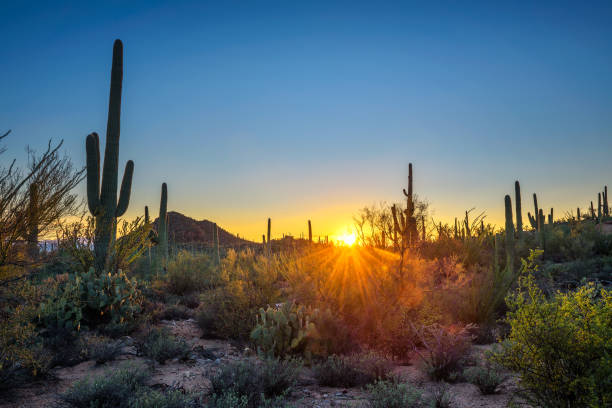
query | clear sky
[297, 110]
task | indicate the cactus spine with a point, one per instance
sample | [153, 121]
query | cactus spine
[519, 215]
[102, 202]
[509, 235]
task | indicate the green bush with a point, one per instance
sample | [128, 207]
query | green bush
[189, 273]
[168, 399]
[90, 299]
[111, 390]
[487, 379]
[161, 345]
[260, 384]
[21, 351]
[352, 371]
[560, 346]
[229, 399]
[393, 394]
[249, 283]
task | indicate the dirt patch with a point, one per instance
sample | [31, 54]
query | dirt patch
[208, 356]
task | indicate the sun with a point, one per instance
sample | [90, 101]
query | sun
[348, 239]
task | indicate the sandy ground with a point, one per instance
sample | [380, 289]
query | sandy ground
[193, 376]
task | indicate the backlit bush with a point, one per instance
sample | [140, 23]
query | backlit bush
[250, 282]
[445, 349]
[560, 346]
[189, 273]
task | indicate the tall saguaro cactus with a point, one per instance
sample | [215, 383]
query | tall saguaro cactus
[162, 228]
[103, 203]
[606, 211]
[509, 235]
[309, 231]
[269, 247]
[517, 203]
[410, 232]
[216, 255]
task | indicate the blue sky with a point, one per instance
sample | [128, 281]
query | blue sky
[298, 110]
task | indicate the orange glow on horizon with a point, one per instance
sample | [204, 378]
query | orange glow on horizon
[348, 239]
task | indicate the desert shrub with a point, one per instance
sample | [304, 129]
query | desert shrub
[487, 378]
[560, 346]
[445, 349]
[393, 394]
[167, 399]
[189, 273]
[161, 345]
[249, 283]
[570, 274]
[111, 390]
[101, 350]
[229, 399]
[337, 372]
[174, 312]
[440, 397]
[92, 299]
[260, 384]
[64, 346]
[22, 357]
[351, 371]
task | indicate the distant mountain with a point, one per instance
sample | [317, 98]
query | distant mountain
[183, 229]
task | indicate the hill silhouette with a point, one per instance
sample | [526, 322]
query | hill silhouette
[183, 229]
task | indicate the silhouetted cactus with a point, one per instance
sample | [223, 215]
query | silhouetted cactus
[534, 219]
[410, 230]
[578, 213]
[599, 206]
[509, 234]
[162, 229]
[216, 254]
[519, 215]
[309, 232]
[592, 210]
[606, 212]
[551, 220]
[102, 202]
[269, 242]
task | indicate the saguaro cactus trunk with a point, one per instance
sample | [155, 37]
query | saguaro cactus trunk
[517, 203]
[410, 232]
[216, 254]
[102, 202]
[309, 231]
[162, 229]
[509, 235]
[269, 242]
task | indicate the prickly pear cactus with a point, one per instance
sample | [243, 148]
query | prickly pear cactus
[283, 331]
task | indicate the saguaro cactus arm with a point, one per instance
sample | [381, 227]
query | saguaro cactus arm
[92, 147]
[126, 187]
